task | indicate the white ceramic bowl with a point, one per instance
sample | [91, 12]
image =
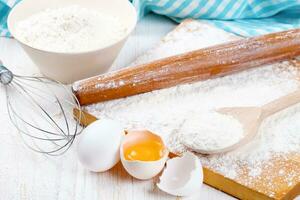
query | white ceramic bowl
[69, 67]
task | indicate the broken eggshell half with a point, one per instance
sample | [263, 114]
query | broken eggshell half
[183, 176]
[139, 169]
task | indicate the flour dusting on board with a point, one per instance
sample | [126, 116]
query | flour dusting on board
[70, 29]
[174, 112]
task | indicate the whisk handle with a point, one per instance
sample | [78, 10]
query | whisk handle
[6, 75]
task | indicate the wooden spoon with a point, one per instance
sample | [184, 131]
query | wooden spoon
[251, 119]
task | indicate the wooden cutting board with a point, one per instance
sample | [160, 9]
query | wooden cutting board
[271, 184]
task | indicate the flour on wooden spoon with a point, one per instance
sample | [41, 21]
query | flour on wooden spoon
[210, 131]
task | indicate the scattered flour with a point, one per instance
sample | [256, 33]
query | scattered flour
[278, 135]
[178, 111]
[174, 112]
[70, 29]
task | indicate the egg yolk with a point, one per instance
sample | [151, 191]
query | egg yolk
[145, 150]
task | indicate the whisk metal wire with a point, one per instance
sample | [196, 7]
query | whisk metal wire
[40, 99]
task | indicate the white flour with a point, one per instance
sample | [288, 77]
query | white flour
[70, 29]
[278, 135]
[206, 131]
[179, 110]
[174, 112]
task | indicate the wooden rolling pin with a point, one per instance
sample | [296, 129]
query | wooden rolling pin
[197, 65]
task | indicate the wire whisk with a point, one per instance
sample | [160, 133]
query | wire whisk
[41, 110]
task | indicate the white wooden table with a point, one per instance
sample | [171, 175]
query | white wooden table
[26, 175]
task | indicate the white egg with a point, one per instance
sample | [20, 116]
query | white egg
[98, 147]
[142, 170]
[183, 176]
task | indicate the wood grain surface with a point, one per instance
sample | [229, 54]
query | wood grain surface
[279, 178]
[234, 186]
[189, 67]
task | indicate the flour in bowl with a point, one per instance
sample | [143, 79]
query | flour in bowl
[70, 29]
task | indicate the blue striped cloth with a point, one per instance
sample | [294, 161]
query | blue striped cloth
[242, 17]
[5, 7]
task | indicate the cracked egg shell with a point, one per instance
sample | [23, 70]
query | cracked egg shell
[142, 169]
[183, 176]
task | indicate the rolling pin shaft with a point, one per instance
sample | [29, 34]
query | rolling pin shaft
[193, 66]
